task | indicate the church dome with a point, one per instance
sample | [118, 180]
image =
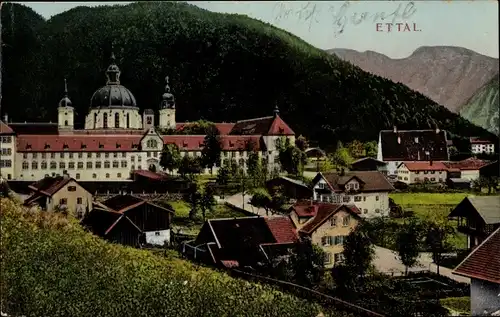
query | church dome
[65, 101]
[113, 94]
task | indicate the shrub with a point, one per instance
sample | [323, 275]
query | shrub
[458, 304]
[51, 267]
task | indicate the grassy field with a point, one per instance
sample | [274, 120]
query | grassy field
[406, 199]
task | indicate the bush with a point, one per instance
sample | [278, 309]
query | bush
[458, 304]
[51, 267]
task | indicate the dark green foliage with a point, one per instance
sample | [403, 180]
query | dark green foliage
[436, 234]
[408, 242]
[206, 200]
[222, 67]
[223, 175]
[292, 159]
[342, 157]
[261, 199]
[371, 149]
[170, 157]
[189, 166]
[51, 267]
[304, 265]
[212, 148]
[358, 252]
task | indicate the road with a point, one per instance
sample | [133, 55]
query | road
[385, 260]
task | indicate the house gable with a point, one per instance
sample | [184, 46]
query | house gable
[152, 141]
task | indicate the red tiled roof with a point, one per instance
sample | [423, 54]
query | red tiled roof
[325, 211]
[50, 185]
[272, 125]
[474, 140]
[77, 143]
[224, 128]
[5, 129]
[470, 164]
[305, 209]
[425, 166]
[483, 262]
[283, 229]
[371, 181]
[151, 175]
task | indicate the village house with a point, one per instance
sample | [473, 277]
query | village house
[117, 139]
[397, 146]
[367, 190]
[469, 169]
[327, 225]
[482, 266]
[242, 242]
[292, 188]
[422, 172]
[369, 164]
[130, 220]
[481, 146]
[477, 217]
[61, 193]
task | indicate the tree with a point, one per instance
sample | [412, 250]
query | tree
[261, 199]
[206, 200]
[301, 143]
[170, 157]
[371, 149]
[436, 233]
[408, 243]
[452, 151]
[342, 158]
[303, 265]
[223, 174]
[358, 252]
[194, 200]
[278, 198]
[356, 148]
[292, 159]
[212, 149]
[254, 168]
[189, 166]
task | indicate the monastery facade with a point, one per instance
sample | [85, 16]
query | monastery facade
[117, 139]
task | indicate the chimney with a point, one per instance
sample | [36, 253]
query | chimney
[395, 129]
[5, 118]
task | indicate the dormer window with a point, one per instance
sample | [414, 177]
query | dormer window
[101, 146]
[184, 144]
[231, 144]
[65, 146]
[135, 146]
[118, 145]
[47, 146]
[83, 146]
[348, 187]
[28, 146]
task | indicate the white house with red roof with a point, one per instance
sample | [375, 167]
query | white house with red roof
[479, 146]
[117, 139]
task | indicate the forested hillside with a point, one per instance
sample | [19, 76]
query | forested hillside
[223, 67]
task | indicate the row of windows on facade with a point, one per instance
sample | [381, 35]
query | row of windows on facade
[6, 139]
[71, 165]
[426, 179]
[333, 240]
[338, 257]
[337, 199]
[418, 172]
[354, 186]
[78, 176]
[105, 120]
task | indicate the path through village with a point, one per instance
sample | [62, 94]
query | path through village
[385, 260]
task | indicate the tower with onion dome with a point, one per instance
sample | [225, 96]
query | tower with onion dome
[65, 112]
[167, 108]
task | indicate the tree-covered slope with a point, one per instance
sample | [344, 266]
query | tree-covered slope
[222, 67]
[482, 108]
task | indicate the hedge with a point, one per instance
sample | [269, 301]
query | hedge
[51, 267]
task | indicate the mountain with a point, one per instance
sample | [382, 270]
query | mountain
[482, 109]
[446, 74]
[222, 67]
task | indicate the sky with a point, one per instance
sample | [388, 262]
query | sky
[358, 25]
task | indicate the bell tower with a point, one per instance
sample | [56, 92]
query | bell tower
[65, 112]
[167, 108]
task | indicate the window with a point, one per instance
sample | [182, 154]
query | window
[365, 211]
[132, 158]
[106, 155]
[71, 165]
[80, 155]
[71, 188]
[94, 175]
[25, 165]
[107, 175]
[157, 233]
[128, 120]
[89, 155]
[328, 258]
[149, 120]
[357, 198]
[25, 156]
[346, 221]
[433, 172]
[80, 165]
[34, 165]
[35, 155]
[148, 154]
[333, 221]
[433, 179]
[89, 165]
[417, 172]
[79, 200]
[152, 143]
[98, 155]
[63, 201]
[346, 199]
[97, 164]
[355, 185]
[44, 156]
[105, 120]
[417, 179]
[132, 167]
[52, 155]
[124, 164]
[139, 167]
[139, 158]
[377, 198]
[115, 154]
[44, 165]
[124, 154]
[117, 120]
[107, 164]
[377, 211]
[62, 165]
[364, 198]
[406, 178]
[321, 185]
[426, 172]
[115, 164]
[70, 155]
[155, 154]
[61, 155]
[77, 176]
[119, 175]
[339, 257]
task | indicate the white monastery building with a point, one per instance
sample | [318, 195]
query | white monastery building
[117, 139]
